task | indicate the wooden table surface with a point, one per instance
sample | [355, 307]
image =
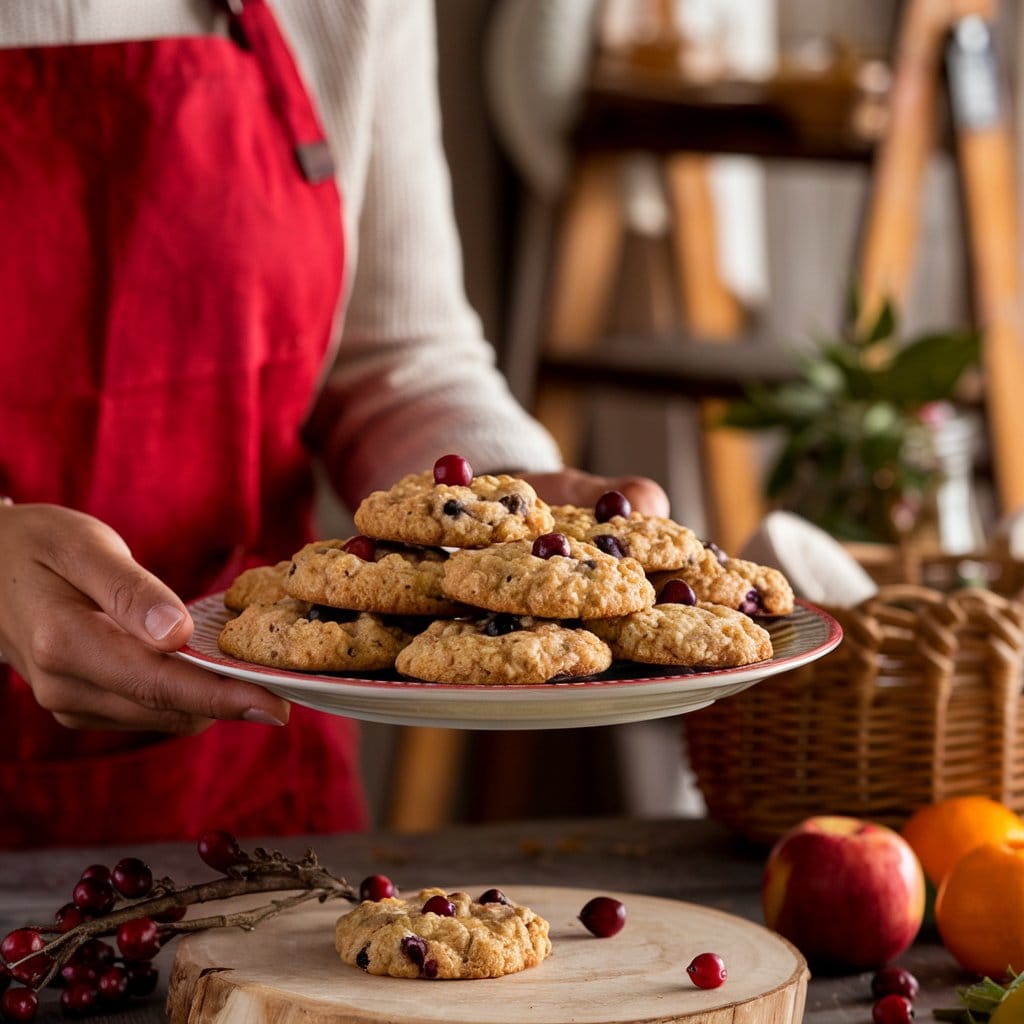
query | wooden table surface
[686, 859]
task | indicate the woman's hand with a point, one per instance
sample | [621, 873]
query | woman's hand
[575, 487]
[91, 632]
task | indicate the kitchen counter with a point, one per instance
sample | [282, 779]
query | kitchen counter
[685, 859]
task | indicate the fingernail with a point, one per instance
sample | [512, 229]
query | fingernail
[261, 717]
[162, 619]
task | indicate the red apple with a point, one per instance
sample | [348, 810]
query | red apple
[849, 894]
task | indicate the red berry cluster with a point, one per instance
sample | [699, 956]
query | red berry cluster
[125, 904]
[94, 975]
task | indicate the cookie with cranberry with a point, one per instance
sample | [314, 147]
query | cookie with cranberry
[502, 650]
[487, 510]
[553, 577]
[371, 576]
[734, 582]
[656, 542]
[440, 935]
[702, 635]
[263, 584]
[296, 635]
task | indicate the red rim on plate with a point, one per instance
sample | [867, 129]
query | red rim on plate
[625, 693]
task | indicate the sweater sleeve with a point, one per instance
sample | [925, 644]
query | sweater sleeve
[414, 377]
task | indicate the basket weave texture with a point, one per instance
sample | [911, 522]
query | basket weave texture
[921, 701]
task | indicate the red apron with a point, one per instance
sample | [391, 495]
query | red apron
[171, 261]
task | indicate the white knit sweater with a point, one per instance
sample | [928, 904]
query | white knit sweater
[412, 375]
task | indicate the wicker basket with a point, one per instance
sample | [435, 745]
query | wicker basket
[922, 700]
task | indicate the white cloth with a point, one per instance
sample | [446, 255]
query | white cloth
[411, 376]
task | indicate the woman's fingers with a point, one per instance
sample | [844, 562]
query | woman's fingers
[576, 487]
[95, 561]
[158, 687]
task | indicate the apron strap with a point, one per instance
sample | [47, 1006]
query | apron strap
[253, 24]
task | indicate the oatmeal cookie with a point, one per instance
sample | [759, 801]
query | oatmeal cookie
[582, 583]
[502, 650]
[263, 584]
[396, 937]
[734, 582]
[489, 510]
[656, 542]
[312, 638]
[371, 576]
[695, 636]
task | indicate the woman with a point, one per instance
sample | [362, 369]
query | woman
[183, 235]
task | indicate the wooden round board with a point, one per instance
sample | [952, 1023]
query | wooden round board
[287, 972]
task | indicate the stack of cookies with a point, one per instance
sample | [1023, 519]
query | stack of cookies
[457, 578]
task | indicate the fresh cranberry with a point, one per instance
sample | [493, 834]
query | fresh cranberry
[93, 896]
[68, 917]
[220, 850]
[440, 905]
[139, 939]
[549, 544]
[100, 872]
[611, 504]
[707, 970]
[677, 592]
[603, 916]
[74, 972]
[894, 981]
[19, 1004]
[453, 470]
[95, 951]
[360, 546]
[609, 545]
[112, 985]
[376, 887]
[142, 977]
[21, 943]
[79, 999]
[132, 878]
[493, 896]
[892, 1009]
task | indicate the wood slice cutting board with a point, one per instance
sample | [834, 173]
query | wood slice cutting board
[287, 972]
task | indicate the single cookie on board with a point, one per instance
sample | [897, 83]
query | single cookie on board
[489, 510]
[655, 542]
[734, 582]
[695, 636]
[371, 576]
[312, 638]
[502, 650]
[582, 583]
[263, 584]
[396, 937]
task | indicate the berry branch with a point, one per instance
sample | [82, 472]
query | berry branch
[144, 915]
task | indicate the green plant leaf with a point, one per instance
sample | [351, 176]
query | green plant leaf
[929, 368]
[883, 328]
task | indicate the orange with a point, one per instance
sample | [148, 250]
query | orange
[941, 833]
[979, 909]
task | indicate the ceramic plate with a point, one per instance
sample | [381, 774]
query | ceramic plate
[627, 692]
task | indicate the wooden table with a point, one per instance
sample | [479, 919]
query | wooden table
[687, 859]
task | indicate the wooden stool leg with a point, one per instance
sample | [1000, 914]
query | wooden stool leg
[426, 772]
[894, 211]
[731, 471]
[987, 166]
[587, 254]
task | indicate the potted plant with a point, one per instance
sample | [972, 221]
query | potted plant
[859, 426]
